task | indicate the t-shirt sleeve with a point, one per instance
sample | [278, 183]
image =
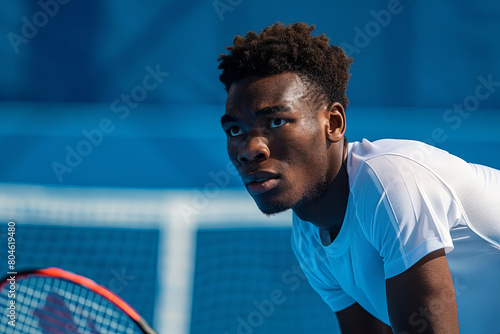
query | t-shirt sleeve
[405, 210]
[313, 264]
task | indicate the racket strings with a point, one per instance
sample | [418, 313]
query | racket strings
[55, 306]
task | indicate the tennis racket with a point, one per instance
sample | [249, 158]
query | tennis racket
[55, 301]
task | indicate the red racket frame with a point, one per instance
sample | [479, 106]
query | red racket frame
[54, 272]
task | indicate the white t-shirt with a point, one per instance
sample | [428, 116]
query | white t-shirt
[408, 199]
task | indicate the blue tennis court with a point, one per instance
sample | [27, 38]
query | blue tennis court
[197, 260]
[113, 164]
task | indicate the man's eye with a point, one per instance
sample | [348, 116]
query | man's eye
[234, 131]
[276, 122]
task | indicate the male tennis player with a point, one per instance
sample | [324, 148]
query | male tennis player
[393, 234]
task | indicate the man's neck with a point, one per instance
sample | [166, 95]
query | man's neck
[327, 211]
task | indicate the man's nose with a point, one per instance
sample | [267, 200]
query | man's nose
[255, 149]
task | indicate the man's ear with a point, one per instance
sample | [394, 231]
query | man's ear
[335, 127]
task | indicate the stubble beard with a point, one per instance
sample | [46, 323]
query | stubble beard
[273, 207]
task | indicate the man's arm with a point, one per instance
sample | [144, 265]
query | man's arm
[356, 319]
[422, 299]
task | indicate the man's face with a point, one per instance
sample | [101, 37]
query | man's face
[276, 140]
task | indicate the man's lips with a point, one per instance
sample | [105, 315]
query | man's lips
[261, 182]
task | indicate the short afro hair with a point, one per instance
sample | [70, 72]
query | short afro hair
[279, 49]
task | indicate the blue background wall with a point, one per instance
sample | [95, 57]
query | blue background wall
[65, 66]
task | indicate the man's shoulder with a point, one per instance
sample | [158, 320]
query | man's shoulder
[391, 155]
[399, 171]
[365, 149]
